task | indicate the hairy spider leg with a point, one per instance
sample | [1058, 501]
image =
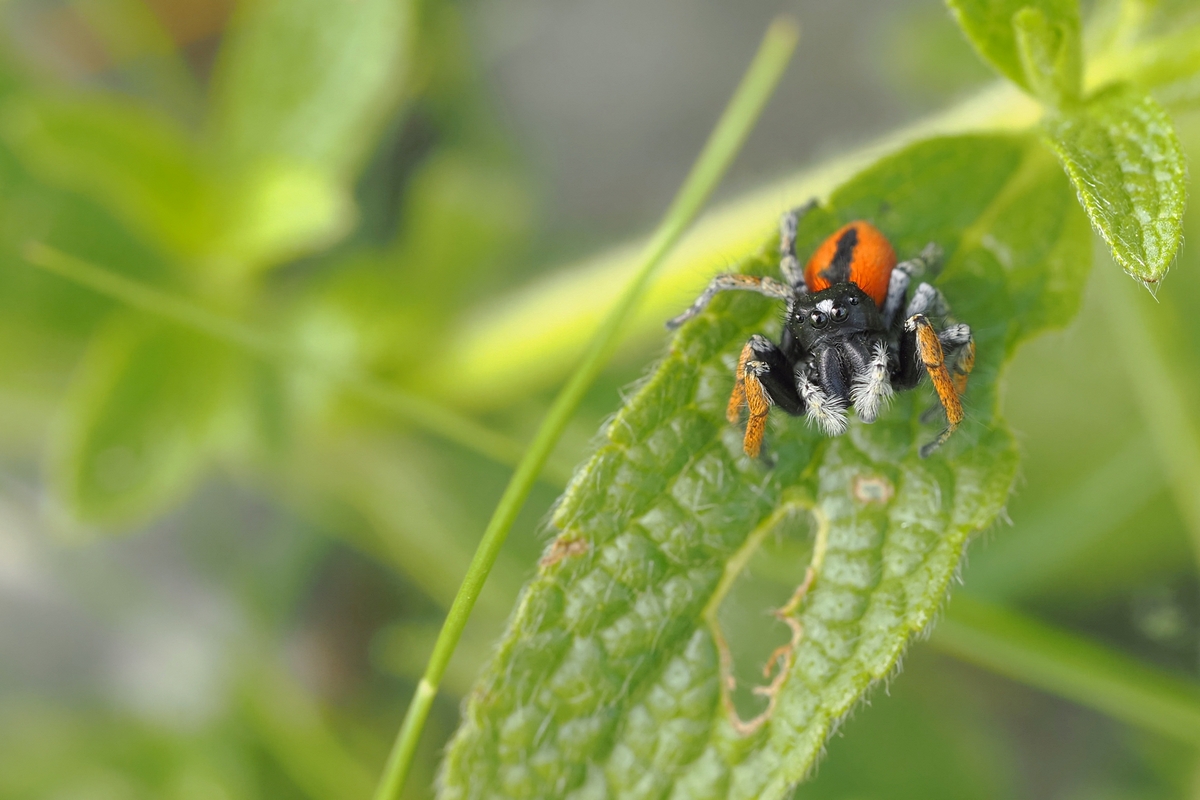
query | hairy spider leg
[870, 388]
[724, 283]
[963, 366]
[764, 379]
[737, 398]
[958, 342]
[789, 264]
[927, 261]
[932, 357]
[928, 302]
[823, 410]
[758, 402]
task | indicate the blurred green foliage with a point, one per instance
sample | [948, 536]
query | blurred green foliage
[336, 180]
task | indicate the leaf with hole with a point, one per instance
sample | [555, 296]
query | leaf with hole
[614, 679]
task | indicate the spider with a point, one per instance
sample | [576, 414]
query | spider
[845, 343]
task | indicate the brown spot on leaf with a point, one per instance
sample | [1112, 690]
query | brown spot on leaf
[873, 489]
[564, 547]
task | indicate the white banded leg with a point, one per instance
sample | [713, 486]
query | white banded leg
[871, 390]
[959, 345]
[789, 264]
[821, 410]
[928, 302]
[903, 273]
[724, 283]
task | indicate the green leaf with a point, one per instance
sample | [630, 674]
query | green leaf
[151, 176]
[303, 88]
[609, 681]
[1049, 56]
[140, 420]
[279, 211]
[137, 164]
[310, 81]
[1033, 43]
[1121, 152]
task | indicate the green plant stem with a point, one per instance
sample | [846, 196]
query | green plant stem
[1069, 666]
[431, 417]
[1164, 410]
[723, 145]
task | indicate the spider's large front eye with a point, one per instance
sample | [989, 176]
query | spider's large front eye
[818, 319]
[839, 313]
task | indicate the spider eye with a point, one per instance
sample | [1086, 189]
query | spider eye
[839, 313]
[818, 319]
[852, 300]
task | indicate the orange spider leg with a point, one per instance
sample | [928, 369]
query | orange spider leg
[737, 398]
[748, 391]
[756, 423]
[929, 350]
[963, 367]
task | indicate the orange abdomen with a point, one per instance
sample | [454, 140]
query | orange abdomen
[858, 253]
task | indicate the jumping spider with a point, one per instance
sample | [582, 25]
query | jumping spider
[845, 342]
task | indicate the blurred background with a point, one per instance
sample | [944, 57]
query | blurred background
[229, 529]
